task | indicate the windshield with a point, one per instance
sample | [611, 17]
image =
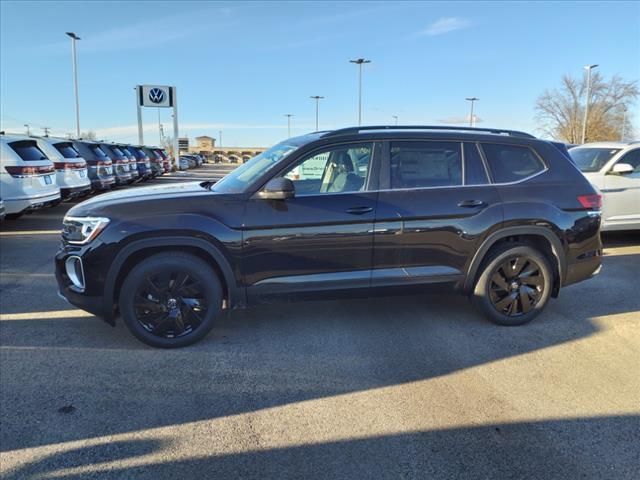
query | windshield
[243, 176]
[592, 159]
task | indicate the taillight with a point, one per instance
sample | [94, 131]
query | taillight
[69, 165]
[18, 172]
[103, 163]
[593, 201]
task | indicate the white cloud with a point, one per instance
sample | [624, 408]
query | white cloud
[445, 25]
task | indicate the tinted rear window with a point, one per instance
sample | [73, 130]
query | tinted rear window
[67, 150]
[510, 163]
[27, 150]
[425, 164]
[474, 171]
[98, 151]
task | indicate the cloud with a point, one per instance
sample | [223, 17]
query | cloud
[459, 120]
[445, 25]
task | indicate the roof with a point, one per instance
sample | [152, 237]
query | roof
[606, 145]
[205, 136]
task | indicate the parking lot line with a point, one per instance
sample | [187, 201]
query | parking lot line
[29, 232]
[45, 315]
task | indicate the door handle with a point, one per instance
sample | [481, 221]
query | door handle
[472, 203]
[359, 210]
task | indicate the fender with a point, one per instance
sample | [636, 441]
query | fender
[236, 293]
[554, 240]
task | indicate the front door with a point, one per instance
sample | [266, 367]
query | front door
[321, 239]
[432, 212]
[621, 202]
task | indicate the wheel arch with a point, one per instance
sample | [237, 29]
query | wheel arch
[137, 251]
[529, 234]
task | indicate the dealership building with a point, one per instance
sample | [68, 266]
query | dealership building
[206, 146]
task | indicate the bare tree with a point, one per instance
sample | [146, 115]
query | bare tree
[560, 112]
[89, 135]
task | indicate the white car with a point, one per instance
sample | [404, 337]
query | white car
[614, 169]
[71, 168]
[27, 176]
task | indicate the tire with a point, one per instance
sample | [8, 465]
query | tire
[514, 284]
[171, 300]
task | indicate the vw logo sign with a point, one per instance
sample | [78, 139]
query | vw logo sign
[156, 95]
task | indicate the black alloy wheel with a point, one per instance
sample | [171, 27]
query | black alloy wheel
[513, 284]
[170, 303]
[171, 299]
[516, 286]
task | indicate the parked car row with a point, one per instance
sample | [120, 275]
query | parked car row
[188, 161]
[37, 172]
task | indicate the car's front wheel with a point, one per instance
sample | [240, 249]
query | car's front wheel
[514, 284]
[171, 300]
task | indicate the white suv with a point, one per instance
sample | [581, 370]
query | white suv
[71, 168]
[614, 169]
[27, 177]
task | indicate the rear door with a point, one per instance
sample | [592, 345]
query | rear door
[320, 240]
[434, 207]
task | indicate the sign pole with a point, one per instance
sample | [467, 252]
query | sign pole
[138, 90]
[176, 146]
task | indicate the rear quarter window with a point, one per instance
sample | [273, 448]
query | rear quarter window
[511, 163]
[28, 151]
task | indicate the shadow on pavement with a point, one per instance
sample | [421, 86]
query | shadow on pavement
[586, 448]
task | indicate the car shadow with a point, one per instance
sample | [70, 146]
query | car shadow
[590, 448]
[267, 356]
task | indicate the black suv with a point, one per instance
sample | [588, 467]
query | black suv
[497, 215]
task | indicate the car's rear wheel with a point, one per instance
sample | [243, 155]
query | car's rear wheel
[171, 300]
[514, 284]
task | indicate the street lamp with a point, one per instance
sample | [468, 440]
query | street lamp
[395, 117]
[317, 98]
[74, 37]
[27, 125]
[289, 115]
[471, 117]
[586, 103]
[624, 122]
[359, 62]
[220, 135]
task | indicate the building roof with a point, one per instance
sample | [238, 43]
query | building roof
[204, 136]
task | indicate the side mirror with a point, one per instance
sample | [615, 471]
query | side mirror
[279, 188]
[622, 169]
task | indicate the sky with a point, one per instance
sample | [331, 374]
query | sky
[240, 67]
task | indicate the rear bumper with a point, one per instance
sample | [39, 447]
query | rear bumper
[26, 204]
[72, 192]
[102, 183]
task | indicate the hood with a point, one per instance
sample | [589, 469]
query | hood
[130, 196]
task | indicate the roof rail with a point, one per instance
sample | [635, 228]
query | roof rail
[496, 131]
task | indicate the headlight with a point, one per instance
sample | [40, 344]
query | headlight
[81, 230]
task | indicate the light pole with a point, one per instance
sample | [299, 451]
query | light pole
[220, 135]
[74, 37]
[471, 117]
[317, 98]
[289, 115]
[586, 103]
[359, 62]
[395, 117]
[624, 122]
[160, 133]
[27, 126]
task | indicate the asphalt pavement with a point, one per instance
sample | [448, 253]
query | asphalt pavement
[407, 387]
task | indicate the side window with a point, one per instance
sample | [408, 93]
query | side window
[425, 164]
[633, 159]
[340, 169]
[474, 171]
[510, 163]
